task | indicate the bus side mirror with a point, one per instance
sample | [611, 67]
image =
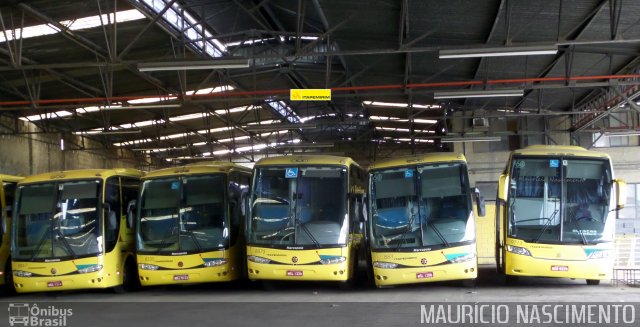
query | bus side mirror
[244, 202]
[479, 202]
[621, 193]
[503, 187]
[364, 213]
[131, 212]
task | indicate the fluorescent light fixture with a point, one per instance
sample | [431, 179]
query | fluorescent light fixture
[400, 105]
[470, 139]
[307, 145]
[622, 133]
[150, 106]
[477, 94]
[278, 127]
[498, 52]
[110, 132]
[194, 64]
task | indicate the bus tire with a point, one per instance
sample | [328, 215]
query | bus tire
[469, 283]
[511, 280]
[593, 282]
[8, 288]
[130, 280]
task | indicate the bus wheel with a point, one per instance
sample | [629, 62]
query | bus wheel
[469, 283]
[510, 280]
[8, 288]
[130, 280]
[593, 282]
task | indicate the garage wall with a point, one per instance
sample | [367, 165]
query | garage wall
[30, 151]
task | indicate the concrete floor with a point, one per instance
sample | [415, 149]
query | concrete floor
[308, 304]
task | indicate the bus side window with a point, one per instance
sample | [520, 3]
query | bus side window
[129, 193]
[112, 212]
[9, 190]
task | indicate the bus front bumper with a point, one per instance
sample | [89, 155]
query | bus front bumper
[427, 274]
[222, 273]
[96, 280]
[521, 265]
[311, 272]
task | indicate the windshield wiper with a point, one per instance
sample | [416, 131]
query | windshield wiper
[194, 238]
[406, 230]
[308, 232]
[582, 237]
[66, 244]
[438, 233]
[41, 242]
[166, 235]
[546, 226]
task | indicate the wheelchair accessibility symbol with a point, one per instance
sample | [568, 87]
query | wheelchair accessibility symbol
[291, 173]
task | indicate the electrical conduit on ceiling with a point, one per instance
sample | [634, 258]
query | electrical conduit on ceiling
[336, 89]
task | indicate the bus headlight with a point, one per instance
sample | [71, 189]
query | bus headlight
[599, 255]
[257, 259]
[463, 258]
[518, 250]
[90, 269]
[215, 262]
[385, 265]
[146, 266]
[332, 260]
[21, 273]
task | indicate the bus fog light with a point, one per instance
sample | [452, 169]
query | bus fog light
[463, 258]
[385, 265]
[146, 266]
[215, 263]
[518, 250]
[333, 260]
[21, 273]
[257, 259]
[90, 269]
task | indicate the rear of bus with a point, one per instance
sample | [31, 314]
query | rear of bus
[421, 222]
[190, 224]
[70, 231]
[304, 221]
[558, 210]
[7, 193]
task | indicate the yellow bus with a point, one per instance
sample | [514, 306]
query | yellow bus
[555, 214]
[305, 219]
[421, 220]
[74, 230]
[7, 193]
[190, 228]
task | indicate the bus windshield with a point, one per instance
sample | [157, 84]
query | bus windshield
[558, 200]
[183, 214]
[418, 206]
[57, 220]
[299, 206]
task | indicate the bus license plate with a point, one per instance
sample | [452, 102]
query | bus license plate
[180, 277]
[559, 268]
[294, 273]
[421, 275]
[54, 284]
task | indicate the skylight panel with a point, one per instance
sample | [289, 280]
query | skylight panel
[284, 111]
[183, 22]
[73, 25]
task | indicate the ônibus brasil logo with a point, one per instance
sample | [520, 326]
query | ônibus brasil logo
[25, 314]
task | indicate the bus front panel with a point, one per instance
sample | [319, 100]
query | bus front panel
[325, 264]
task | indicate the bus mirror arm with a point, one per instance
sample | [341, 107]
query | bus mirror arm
[621, 193]
[244, 202]
[479, 201]
[131, 211]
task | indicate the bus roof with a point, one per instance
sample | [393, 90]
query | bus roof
[418, 159]
[198, 168]
[306, 160]
[82, 174]
[555, 150]
[10, 178]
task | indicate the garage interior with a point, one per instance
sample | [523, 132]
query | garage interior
[150, 84]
